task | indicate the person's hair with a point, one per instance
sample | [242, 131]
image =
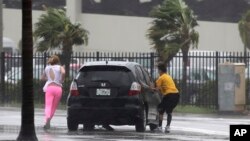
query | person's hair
[54, 59]
[162, 67]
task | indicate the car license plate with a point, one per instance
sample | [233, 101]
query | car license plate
[103, 92]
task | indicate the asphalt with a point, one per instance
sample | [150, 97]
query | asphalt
[10, 121]
[10, 124]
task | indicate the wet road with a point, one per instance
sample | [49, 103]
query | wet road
[185, 127]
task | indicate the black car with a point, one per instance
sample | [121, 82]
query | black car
[112, 93]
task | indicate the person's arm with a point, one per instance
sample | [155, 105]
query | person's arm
[62, 73]
[44, 77]
[156, 86]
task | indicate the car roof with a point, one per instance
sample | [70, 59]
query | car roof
[127, 64]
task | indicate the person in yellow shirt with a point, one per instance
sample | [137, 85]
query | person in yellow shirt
[166, 86]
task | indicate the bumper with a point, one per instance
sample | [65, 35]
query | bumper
[115, 116]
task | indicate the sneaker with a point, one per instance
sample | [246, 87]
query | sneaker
[47, 125]
[167, 129]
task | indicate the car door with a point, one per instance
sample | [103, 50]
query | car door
[141, 80]
[152, 98]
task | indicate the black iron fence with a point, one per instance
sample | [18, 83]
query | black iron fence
[199, 89]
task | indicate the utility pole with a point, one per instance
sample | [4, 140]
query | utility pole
[1, 25]
[1, 50]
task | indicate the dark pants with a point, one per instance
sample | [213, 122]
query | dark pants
[168, 103]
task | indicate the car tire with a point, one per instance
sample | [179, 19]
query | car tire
[141, 123]
[72, 125]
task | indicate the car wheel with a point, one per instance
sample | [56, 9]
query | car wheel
[141, 123]
[88, 127]
[72, 125]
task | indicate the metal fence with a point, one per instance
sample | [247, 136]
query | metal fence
[200, 88]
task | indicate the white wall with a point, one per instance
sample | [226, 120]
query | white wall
[116, 33]
[12, 23]
[215, 36]
[126, 33]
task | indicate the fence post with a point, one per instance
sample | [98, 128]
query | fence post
[97, 55]
[2, 69]
[152, 64]
[216, 78]
[44, 59]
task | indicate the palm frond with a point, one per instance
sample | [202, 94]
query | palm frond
[244, 29]
[55, 28]
[173, 24]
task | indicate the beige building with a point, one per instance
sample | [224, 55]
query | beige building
[126, 33]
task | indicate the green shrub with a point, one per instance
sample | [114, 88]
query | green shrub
[207, 94]
[193, 109]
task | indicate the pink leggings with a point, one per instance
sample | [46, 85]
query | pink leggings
[52, 99]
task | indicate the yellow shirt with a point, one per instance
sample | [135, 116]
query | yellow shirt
[166, 84]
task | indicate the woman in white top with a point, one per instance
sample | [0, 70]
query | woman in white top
[54, 75]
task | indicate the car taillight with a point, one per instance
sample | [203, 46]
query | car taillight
[135, 89]
[73, 89]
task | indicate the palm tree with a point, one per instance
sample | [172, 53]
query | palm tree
[244, 29]
[173, 30]
[54, 30]
[27, 132]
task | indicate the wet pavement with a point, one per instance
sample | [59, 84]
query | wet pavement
[185, 127]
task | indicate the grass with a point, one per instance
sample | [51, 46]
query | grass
[193, 109]
[179, 109]
[36, 105]
[60, 106]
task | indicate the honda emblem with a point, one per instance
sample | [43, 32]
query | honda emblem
[103, 84]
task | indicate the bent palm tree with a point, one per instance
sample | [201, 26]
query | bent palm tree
[27, 132]
[54, 30]
[244, 29]
[173, 30]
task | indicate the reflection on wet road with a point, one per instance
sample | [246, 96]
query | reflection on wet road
[185, 127]
[121, 133]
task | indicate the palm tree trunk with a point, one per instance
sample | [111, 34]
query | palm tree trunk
[27, 132]
[66, 57]
[184, 75]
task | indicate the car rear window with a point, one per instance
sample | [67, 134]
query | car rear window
[113, 74]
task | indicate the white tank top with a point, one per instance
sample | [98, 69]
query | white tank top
[50, 71]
